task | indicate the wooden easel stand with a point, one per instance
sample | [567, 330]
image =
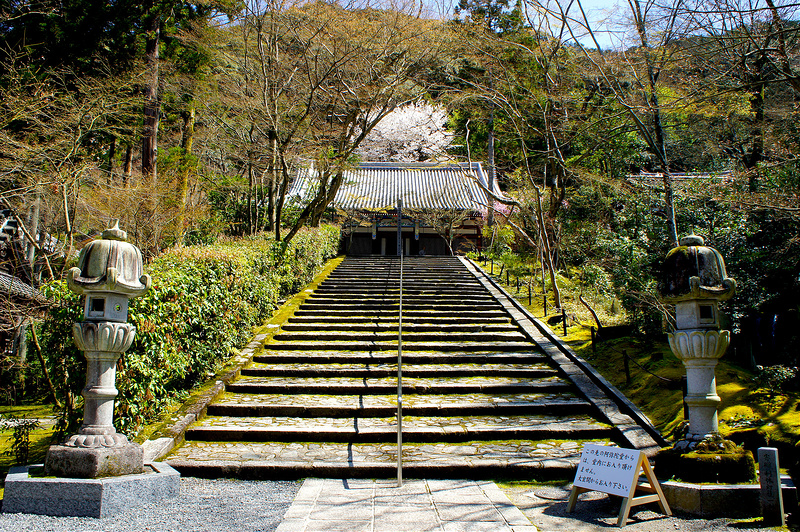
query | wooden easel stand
[643, 491]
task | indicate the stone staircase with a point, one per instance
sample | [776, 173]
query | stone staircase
[483, 395]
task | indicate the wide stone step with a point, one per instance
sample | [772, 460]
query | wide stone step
[521, 459]
[394, 300]
[425, 281]
[383, 386]
[379, 271]
[323, 356]
[392, 346]
[392, 320]
[358, 294]
[315, 405]
[476, 315]
[365, 289]
[372, 271]
[415, 429]
[408, 336]
[407, 307]
[520, 371]
[407, 327]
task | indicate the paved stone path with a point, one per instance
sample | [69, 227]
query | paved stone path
[327, 505]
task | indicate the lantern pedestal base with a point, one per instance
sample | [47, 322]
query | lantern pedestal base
[94, 462]
[27, 493]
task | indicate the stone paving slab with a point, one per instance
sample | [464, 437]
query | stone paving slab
[416, 506]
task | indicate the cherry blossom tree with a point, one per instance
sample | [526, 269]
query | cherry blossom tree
[412, 132]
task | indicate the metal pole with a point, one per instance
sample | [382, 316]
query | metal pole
[400, 356]
[400, 226]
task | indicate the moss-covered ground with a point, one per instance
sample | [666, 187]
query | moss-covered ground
[40, 438]
[749, 414]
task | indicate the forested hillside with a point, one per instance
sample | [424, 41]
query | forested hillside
[186, 120]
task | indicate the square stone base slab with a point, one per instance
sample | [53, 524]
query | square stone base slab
[95, 497]
[723, 500]
[94, 462]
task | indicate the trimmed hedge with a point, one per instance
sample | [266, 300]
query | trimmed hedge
[204, 302]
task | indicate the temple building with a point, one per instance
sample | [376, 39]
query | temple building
[444, 206]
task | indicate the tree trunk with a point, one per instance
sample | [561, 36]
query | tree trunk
[112, 154]
[658, 144]
[183, 185]
[273, 181]
[757, 146]
[492, 171]
[316, 208]
[658, 129]
[250, 223]
[128, 168]
[67, 223]
[151, 104]
[33, 226]
[50, 387]
[546, 252]
[284, 185]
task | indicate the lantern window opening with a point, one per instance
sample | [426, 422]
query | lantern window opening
[97, 306]
[706, 313]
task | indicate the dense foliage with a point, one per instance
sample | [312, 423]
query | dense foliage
[203, 305]
[239, 94]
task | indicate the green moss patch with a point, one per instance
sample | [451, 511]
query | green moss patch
[734, 466]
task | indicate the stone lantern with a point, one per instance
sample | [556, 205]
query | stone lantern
[109, 273]
[695, 280]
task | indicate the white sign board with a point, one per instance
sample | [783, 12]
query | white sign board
[608, 469]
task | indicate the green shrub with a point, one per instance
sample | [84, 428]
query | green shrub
[204, 303]
[777, 379]
[21, 436]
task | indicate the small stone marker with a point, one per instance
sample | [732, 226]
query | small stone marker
[770, 478]
[616, 471]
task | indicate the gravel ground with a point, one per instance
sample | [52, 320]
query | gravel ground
[596, 512]
[203, 505]
[250, 506]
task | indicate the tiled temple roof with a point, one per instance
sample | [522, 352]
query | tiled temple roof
[377, 186]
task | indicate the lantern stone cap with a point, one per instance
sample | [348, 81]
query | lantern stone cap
[693, 271]
[110, 264]
[692, 240]
[115, 233]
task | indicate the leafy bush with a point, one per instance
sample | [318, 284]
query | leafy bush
[777, 379]
[21, 437]
[204, 302]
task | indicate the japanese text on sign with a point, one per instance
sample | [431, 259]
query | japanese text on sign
[607, 469]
